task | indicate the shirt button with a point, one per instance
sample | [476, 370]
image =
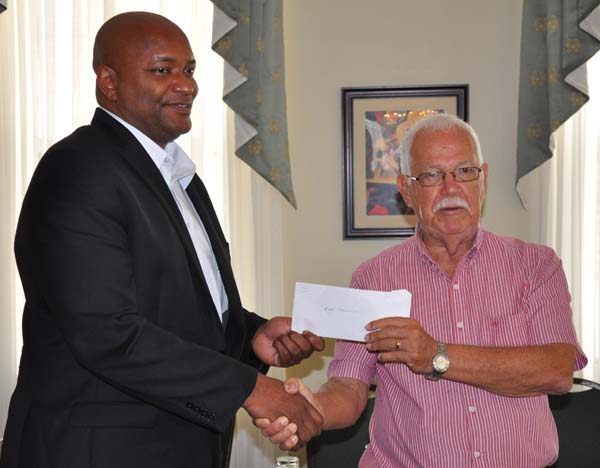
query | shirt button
[476, 454]
[471, 409]
[456, 286]
[460, 325]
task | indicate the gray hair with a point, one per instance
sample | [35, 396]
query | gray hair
[441, 122]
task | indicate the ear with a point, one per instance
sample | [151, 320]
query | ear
[107, 82]
[403, 188]
[485, 177]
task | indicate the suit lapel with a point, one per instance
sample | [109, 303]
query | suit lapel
[235, 326]
[201, 201]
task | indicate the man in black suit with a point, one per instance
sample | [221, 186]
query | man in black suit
[137, 351]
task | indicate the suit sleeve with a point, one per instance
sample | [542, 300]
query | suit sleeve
[75, 262]
[253, 323]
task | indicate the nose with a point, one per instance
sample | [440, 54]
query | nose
[185, 84]
[449, 183]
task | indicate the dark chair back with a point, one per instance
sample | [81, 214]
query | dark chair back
[577, 416]
[341, 448]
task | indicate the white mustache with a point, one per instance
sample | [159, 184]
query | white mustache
[451, 202]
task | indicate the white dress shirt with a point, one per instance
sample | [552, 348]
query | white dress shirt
[178, 170]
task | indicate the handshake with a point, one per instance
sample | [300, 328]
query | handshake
[286, 412]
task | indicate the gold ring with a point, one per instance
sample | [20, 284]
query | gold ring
[398, 344]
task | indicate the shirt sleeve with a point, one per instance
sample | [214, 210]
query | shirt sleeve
[547, 304]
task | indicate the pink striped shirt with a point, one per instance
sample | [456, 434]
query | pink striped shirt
[504, 292]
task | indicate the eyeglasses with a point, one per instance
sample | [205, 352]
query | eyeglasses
[461, 174]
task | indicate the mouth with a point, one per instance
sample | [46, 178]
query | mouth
[451, 210]
[184, 108]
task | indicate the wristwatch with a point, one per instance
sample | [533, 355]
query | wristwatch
[441, 363]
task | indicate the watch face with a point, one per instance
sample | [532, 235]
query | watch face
[441, 362]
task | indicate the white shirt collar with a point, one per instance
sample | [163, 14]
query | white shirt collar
[172, 162]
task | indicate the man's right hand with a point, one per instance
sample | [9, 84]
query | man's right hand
[279, 431]
[270, 400]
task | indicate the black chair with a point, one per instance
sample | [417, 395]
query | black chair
[341, 447]
[577, 416]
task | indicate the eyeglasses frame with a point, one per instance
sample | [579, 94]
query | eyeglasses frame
[444, 173]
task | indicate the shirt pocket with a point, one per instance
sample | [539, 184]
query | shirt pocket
[508, 330]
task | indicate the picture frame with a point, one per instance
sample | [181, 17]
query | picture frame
[374, 120]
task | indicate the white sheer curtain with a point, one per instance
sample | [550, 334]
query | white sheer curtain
[8, 199]
[48, 90]
[563, 197]
[254, 224]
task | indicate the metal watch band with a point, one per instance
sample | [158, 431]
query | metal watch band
[436, 374]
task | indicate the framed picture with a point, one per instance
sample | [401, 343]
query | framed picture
[375, 120]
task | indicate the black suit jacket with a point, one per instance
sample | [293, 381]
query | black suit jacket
[125, 361]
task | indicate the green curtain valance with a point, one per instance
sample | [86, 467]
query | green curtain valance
[248, 34]
[558, 37]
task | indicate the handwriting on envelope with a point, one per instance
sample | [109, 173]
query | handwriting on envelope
[335, 312]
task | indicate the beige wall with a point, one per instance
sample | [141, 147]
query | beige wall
[342, 43]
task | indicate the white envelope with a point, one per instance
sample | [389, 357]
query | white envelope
[334, 312]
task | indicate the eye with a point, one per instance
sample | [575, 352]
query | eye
[429, 175]
[465, 170]
[160, 70]
[189, 70]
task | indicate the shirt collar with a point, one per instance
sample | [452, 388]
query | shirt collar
[172, 162]
[469, 256]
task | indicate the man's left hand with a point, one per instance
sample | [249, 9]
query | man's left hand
[276, 344]
[398, 339]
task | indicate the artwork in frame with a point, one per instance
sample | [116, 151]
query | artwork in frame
[375, 120]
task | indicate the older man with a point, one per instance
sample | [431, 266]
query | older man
[137, 351]
[463, 382]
